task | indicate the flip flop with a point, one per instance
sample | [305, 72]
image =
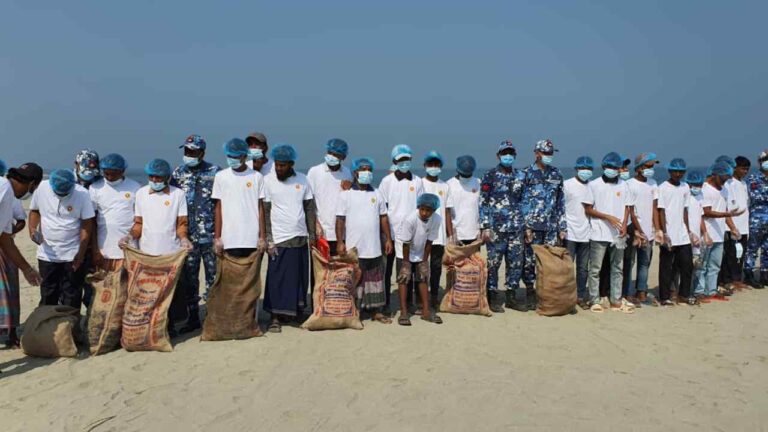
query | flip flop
[626, 308]
[404, 321]
[275, 327]
[433, 319]
[380, 317]
[596, 308]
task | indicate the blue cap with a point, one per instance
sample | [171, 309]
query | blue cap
[113, 161]
[506, 144]
[677, 164]
[644, 158]
[361, 162]
[194, 142]
[428, 200]
[694, 177]
[544, 146]
[3, 168]
[584, 162]
[465, 165]
[613, 160]
[235, 148]
[721, 169]
[433, 155]
[727, 159]
[284, 153]
[400, 151]
[625, 161]
[336, 145]
[62, 181]
[158, 167]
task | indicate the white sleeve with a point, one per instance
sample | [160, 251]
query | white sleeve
[216, 192]
[589, 197]
[308, 192]
[662, 199]
[33, 204]
[137, 204]
[382, 205]
[87, 212]
[18, 210]
[406, 231]
[93, 195]
[434, 227]
[343, 204]
[6, 211]
[182, 203]
[448, 201]
[260, 181]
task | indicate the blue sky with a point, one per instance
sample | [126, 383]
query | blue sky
[681, 78]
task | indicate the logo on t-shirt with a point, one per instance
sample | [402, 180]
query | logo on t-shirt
[373, 200]
[69, 209]
[167, 203]
[440, 193]
[474, 190]
[618, 194]
[127, 195]
[412, 188]
[249, 184]
[298, 187]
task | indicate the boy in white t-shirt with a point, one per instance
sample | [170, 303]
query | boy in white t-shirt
[63, 212]
[464, 201]
[641, 231]
[361, 223]
[416, 233]
[735, 244]
[433, 165]
[695, 180]
[257, 154]
[575, 192]
[328, 180]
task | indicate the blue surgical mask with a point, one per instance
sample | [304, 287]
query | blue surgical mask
[695, 191]
[255, 154]
[507, 160]
[157, 187]
[764, 165]
[584, 174]
[625, 175]
[332, 160]
[404, 166]
[648, 173]
[191, 161]
[611, 173]
[547, 159]
[365, 177]
[114, 183]
[234, 162]
[87, 175]
[434, 171]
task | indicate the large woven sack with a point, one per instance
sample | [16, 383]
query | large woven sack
[151, 283]
[334, 296]
[48, 332]
[465, 280]
[231, 305]
[105, 316]
[555, 281]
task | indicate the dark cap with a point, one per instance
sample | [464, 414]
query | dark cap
[28, 172]
[258, 136]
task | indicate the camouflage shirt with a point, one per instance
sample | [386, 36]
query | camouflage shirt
[197, 184]
[757, 188]
[543, 204]
[500, 195]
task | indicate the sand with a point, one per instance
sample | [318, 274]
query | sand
[682, 368]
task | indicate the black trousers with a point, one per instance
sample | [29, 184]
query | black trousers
[673, 260]
[61, 284]
[240, 252]
[435, 270]
[732, 267]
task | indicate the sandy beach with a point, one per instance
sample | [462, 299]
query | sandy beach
[683, 368]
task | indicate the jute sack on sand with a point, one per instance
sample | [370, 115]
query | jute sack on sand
[555, 280]
[151, 283]
[465, 280]
[334, 297]
[48, 332]
[105, 316]
[231, 305]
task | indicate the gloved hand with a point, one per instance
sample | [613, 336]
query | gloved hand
[218, 247]
[186, 244]
[423, 270]
[659, 237]
[37, 237]
[486, 236]
[262, 245]
[125, 241]
[707, 240]
[528, 236]
[695, 241]
[735, 234]
[561, 235]
[453, 240]
[404, 276]
[341, 247]
[32, 276]
[272, 250]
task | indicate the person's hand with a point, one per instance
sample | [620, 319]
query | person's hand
[707, 240]
[735, 234]
[97, 259]
[186, 244]
[346, 185]
[319, 232]
[272, 249]
[78, 261]
[341, 248]
[528, 236]
[486, 236]
[736, 212]
[388, 247]
[623, 231]
[37, 237]
[125, 241]
[667, 239]
[218, 247]
[659, 236]
[453, 240]
[562, 235]
[423, 269]
[262, 245]
[32, 276]
[695, 241]
[615, 222]
[405, 273]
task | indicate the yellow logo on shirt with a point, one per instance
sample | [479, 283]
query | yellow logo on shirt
[373, 200]
[127, 195]
[618, 194]
[69, 209]
[298, 187]
[413, 188]
[167, 203]
[474, 190]
[249, 184]
[440, 193]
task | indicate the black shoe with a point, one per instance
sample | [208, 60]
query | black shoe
[516, 300]
[193, 322]
[496, 301]
[531, 300]
[751, 281]
[172, 333]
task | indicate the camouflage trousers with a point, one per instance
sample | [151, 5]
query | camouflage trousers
[757, 244]
[189, 282]
[507, 247]
[529, 267]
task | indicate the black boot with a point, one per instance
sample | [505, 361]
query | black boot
[763, 280]
[749, 279]
[530, 299]
[516, 299]
[496, 301]
[193, 321]
[172, 333]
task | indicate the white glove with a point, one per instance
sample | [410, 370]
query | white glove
[186, 245]
[694, 239]
[37, 237]
[125, 241]
[272, 250]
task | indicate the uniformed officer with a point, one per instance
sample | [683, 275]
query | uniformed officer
[543, 206]
[757, 187]
[502, 228]
[195, 177]
[87, 172]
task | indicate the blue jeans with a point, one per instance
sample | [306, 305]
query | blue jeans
[597, 251]
[579, 252]
[706, 275]
[644, 256]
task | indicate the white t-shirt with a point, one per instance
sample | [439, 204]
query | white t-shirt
[695, 212]
[718, 200]
[326, 188]
[464, 199]
[400, 197]
[439, 188]
[61, 220]
[267, 168]
[643, 195]
[287, 214]
[239, 194]
[362, 211]
[18, 210]
[609, 198]
[115, 209]
[738, 198]
[576, 193]
[7, 199]
[159, 212]
[416, 232]
[674, 200]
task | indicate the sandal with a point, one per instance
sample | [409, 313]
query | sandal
[275, 327]
[624, 307]
[693, 301]
[596, 308]
[404, 321]
[433, 318]
[650, 300]
[380, 317]
[667, 302]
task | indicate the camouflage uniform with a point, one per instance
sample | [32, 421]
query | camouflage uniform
[543, 207]
[88, 161]
[197, 184]
[757, 187]
[500, 194]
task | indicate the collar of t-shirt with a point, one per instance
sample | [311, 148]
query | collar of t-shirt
[166, 190]
[357, 186]
[610, 181]
[403, 176]
[292, 173]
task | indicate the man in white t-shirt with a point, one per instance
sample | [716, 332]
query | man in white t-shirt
[60, 221]
[399, 190]
[416, 233]
[257, 153]
[642, 229]
[433, 165]
[290, 217]
[361, 223]
[113, 197]
[735, 244]
[695, 180]
[607, 204]
[464, 201]
[327, 181]
[575, 192]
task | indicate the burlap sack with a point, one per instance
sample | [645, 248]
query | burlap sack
[334, 296]
[151, 283]
[231, 305]
[555, 281]
[465, 280]
[105, 316]
[48, 332]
